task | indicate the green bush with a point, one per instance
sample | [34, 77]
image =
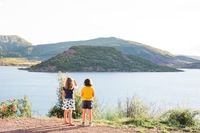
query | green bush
[134, 107]
[56, 110]
[16, 108]
[78, 110]
[180, 117]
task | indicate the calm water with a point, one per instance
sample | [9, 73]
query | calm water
[158, 88]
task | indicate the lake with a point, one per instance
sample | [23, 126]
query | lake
[163, 89]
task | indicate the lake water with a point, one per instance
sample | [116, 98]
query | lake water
[163, 89]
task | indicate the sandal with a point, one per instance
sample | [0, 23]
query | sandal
[71, 124]
[65, 122]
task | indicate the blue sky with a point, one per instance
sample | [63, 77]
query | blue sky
[172, 25]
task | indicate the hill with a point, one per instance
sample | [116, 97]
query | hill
[97, 59]
[152, 54]
[192, 66]
[14, 46]
[188, 59]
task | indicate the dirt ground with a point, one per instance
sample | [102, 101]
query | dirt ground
[37, 125]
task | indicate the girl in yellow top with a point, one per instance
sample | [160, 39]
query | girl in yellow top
[87, 95]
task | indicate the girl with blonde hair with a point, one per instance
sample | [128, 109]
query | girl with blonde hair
[68, 101]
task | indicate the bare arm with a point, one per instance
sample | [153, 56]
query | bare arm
[75, 84]
[93, 93]
[81, 94]
[63, 95]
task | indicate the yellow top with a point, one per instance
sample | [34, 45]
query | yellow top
[87, 93]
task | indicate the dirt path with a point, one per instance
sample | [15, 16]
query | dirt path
[36, 125]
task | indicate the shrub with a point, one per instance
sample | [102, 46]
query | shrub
[56, 110]
[134, 107]
[180, 117]
[16, 108]
[78, 110]
[24, 107]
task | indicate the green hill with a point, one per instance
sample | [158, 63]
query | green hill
[97, 59]
[152, 54]
[14, 46]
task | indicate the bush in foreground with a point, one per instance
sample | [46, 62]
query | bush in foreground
[180, 117]
[135, 113]
[16, 108]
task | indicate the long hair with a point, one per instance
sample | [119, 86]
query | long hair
[69, 84]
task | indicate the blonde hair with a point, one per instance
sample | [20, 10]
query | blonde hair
[69, 84]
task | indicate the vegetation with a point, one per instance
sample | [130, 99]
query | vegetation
[98, 59]
[15, 108]
[135, 113]
[180, 118]
[56, 110]
[14, 46]
[17, 62]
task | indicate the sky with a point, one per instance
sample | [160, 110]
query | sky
[171, 25]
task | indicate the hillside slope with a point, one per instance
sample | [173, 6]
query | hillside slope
[97, 59]
[152, 54]
[14, 46]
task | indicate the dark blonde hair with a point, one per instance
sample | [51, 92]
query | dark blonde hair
[88, 82]
[69, 84]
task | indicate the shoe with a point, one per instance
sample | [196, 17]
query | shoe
[91, 124]
[83, 124]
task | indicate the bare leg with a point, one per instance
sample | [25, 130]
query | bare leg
[90, 115]
[65, 116]
[83, 114]
[70, 116]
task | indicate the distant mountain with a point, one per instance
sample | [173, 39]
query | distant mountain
[13, 46]
[192, 66]
[195, 57]
[97, 59]
[188, 59]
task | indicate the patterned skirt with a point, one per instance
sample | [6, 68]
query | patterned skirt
[68, 104]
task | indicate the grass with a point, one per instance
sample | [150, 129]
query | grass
[147, 125]
[17, 62]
